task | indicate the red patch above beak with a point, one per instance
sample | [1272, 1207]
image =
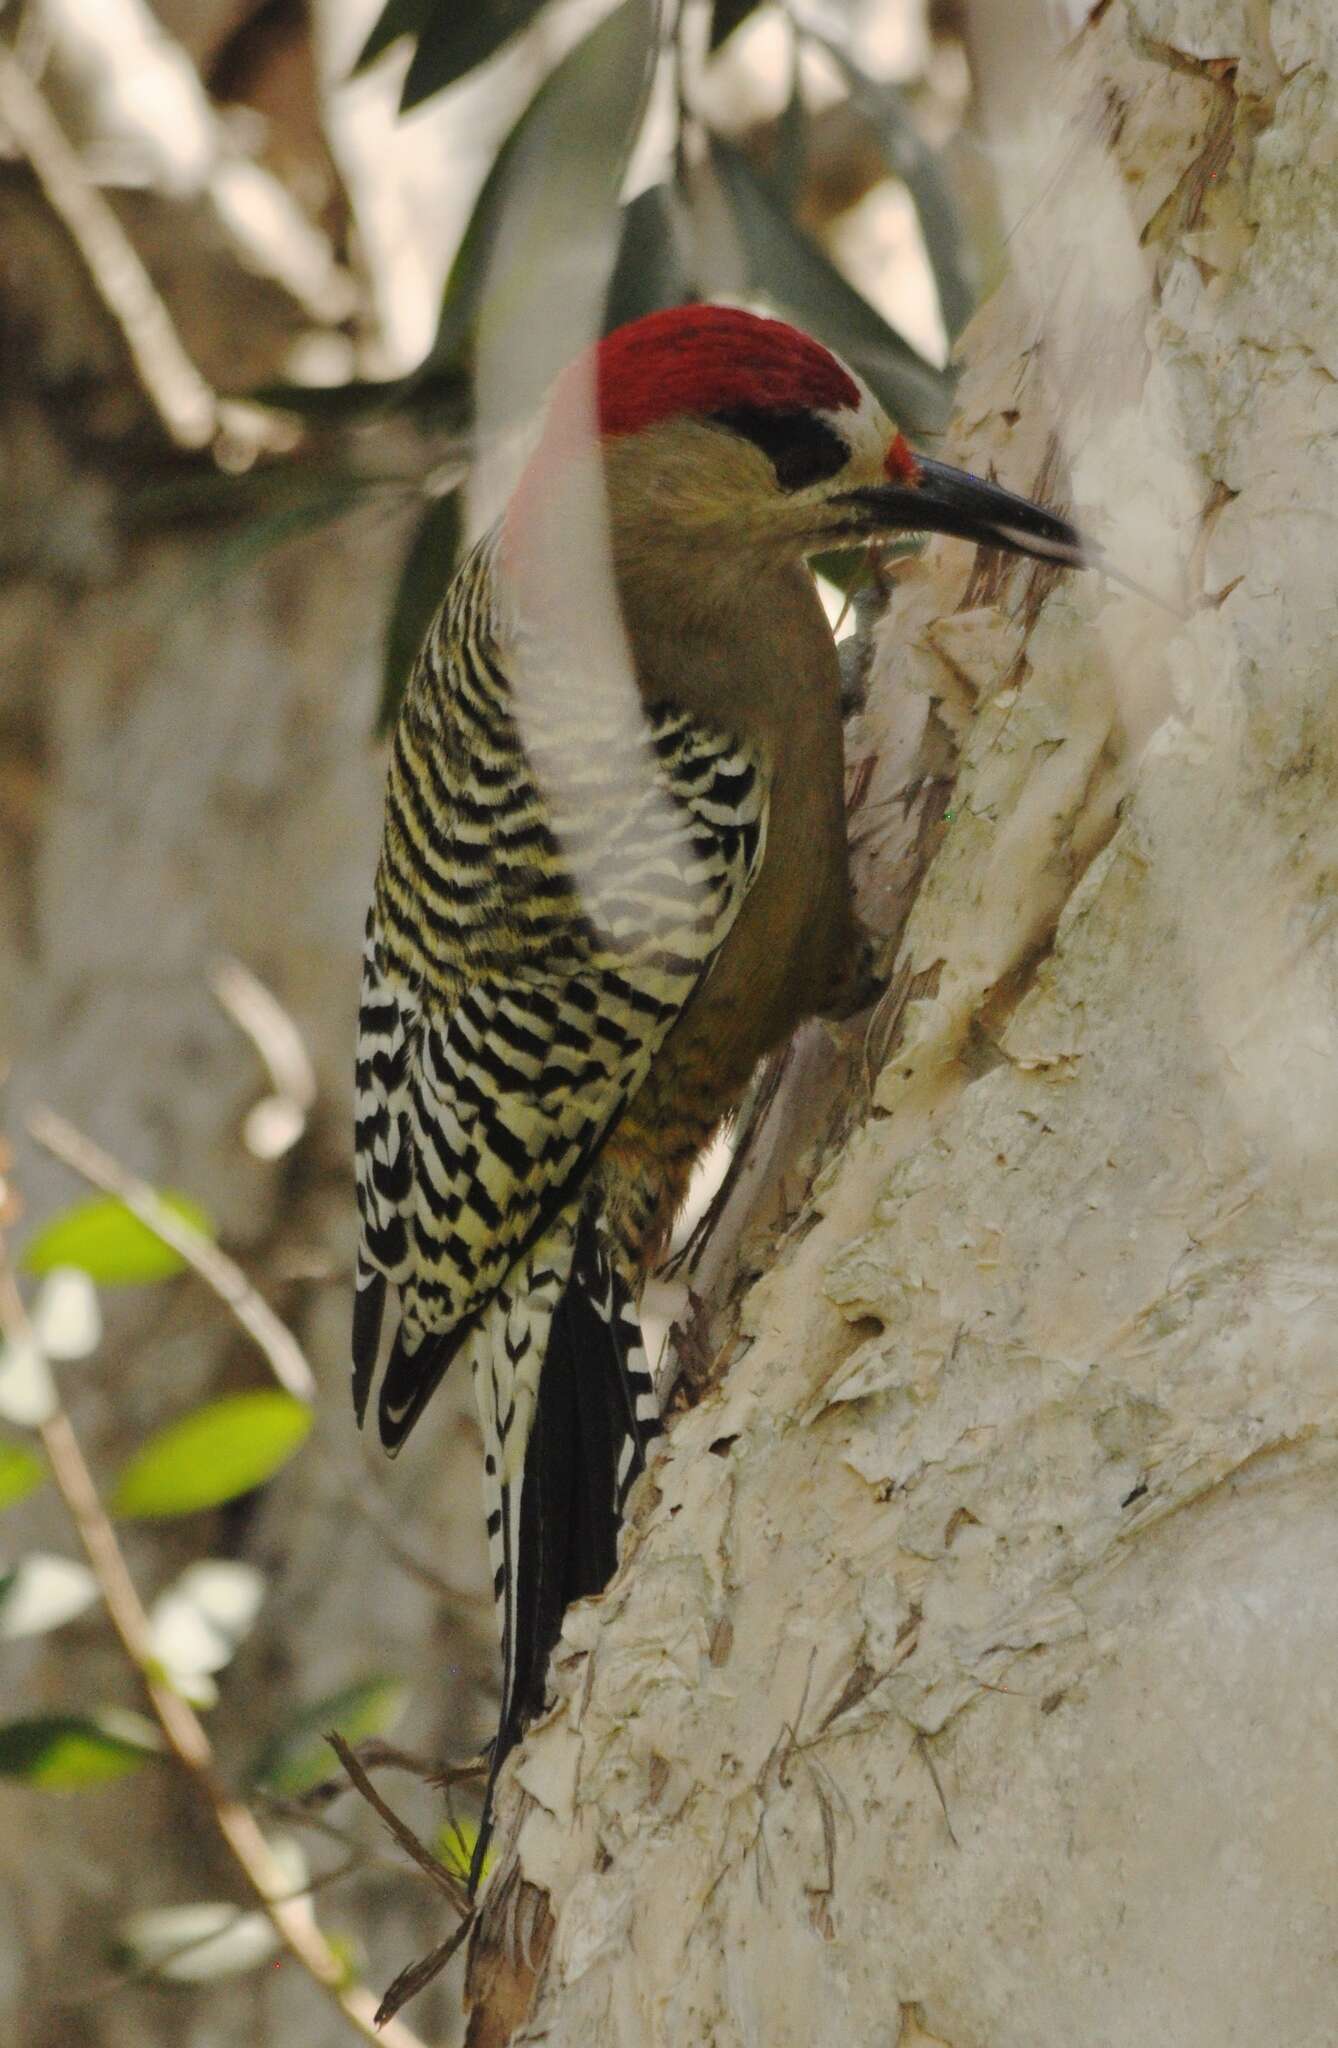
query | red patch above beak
[899, 463]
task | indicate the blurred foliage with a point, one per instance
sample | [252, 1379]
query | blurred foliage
[21, 1473]
[449, 39]
[535, 239]
[195, 1944]
[222, 1450]
[42, 1593]
[104, 1240]
[210, 1938]
[552, 196]
[787, 268]
[197, 1622]
[909, 157]
[298, 1756]
[65, 1752]
[726, 16]
[456, 1842]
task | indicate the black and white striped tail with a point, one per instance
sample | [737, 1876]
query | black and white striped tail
[594, 1415]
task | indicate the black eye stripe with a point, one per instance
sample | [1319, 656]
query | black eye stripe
[801, 448]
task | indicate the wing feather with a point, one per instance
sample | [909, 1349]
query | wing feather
[543, 915]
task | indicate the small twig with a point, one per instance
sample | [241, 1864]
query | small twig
[291, 1918]
[276, 1124]
[56, 1135]
[444, 1776]
[277, 1806]
[215, 1268]
[377, 1755]
[444, 1879]
[415, 1977]
[190, 410]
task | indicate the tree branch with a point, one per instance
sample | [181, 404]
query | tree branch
[190, 411]
[403, 1834]
[219, 1273]
[415, 1977]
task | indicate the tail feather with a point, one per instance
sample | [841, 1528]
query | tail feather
[413, 1373]
[369, 1303]
[607, 1289]
[556, 1533]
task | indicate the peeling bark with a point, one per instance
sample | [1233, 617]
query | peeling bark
[968, 1674]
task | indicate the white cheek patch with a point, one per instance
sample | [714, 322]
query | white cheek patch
[868, 432]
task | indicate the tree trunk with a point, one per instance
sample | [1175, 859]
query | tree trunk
[968, 1677]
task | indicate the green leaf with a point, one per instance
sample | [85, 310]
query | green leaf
[651, 269]
[213, 1455]
[349, 1953]
[111, 1245]
[459, 35]
[536, 238]
[453, 36]
[299, 1756]
[62, 1752]
[456, 1843]
[791, 270]
[427, 570]
[726, 16]
[909, 157]
[21, 1473]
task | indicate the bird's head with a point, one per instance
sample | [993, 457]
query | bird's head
[723, 434]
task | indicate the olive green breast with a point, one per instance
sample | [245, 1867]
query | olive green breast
[765, 670]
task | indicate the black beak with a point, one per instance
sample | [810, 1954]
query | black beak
[947, 500]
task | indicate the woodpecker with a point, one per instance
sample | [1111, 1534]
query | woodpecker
[613, 876]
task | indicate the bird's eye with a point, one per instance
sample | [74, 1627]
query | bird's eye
[801, 448]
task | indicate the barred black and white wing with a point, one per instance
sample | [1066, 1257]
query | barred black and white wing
[509, 1012]
[545, 909]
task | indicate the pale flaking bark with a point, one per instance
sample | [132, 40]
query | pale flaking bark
[968, 1677]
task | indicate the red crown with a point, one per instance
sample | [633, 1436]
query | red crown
[694, 360]
[706, 359]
